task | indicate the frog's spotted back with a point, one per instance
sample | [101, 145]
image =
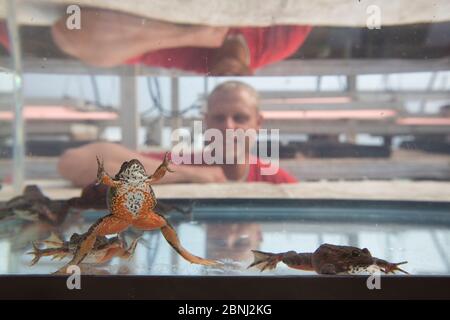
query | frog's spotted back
[345, 259]
[132, 170]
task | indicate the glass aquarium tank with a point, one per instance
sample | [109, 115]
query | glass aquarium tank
[200, 148]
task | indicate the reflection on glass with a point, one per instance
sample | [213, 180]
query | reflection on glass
[422, 245]
[362, 114]
[110, 38]
[232, 241]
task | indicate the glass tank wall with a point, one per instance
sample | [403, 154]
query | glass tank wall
[281, 136]
[392, 231]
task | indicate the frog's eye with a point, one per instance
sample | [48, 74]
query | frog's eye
[366, 251]
[356, 253]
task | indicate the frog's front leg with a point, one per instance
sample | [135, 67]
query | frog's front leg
[151, 221]
[161, 170]
[102, 227]
[327, 268]
[103, 177]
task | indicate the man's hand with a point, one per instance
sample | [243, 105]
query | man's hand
[109, 38]
[206, 36]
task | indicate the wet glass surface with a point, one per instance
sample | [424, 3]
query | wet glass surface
[352, 103]
[163, 46]
[396, 232]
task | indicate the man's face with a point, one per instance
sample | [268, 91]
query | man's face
[232, 110]
[232, 241]
[235, 109]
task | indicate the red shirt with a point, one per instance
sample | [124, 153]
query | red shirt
[281, 176]
[254, 172]
[4, 40]
[266, 45]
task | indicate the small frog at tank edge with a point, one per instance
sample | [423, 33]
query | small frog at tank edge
[103, 251]
[327, 259]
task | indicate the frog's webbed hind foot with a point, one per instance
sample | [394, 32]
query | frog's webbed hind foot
[131, 249]
[172, 238]
[265, 260]
[37, 253]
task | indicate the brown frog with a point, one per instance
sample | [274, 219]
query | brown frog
[327, 259]
[104, 249]
[131, 202]
[34, 206]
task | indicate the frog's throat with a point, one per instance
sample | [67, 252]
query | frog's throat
[352, 269]
[132, 170]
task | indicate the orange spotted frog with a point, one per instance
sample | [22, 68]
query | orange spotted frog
[131, 202]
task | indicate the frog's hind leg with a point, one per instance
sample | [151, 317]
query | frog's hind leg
[154, 221]
[172, 238]
[102, 227]
[121, 252]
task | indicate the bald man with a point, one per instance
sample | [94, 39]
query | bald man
[231, 106]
